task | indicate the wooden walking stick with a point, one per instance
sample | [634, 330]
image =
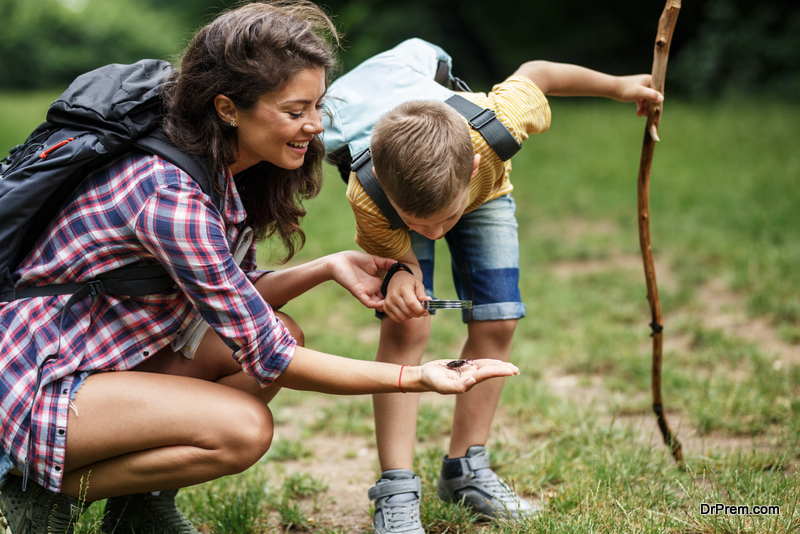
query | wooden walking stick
[666, 26]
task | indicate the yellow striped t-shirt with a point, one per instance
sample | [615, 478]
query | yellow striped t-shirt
[522, 108]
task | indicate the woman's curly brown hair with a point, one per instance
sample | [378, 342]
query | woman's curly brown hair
[243, 54]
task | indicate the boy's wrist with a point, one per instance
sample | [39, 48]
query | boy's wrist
[391, 272]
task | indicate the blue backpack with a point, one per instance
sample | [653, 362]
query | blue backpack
[413, 70]
[103, 114]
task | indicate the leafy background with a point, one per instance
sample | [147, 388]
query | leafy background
[719, 45]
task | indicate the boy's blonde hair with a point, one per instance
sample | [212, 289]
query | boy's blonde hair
[423, 155]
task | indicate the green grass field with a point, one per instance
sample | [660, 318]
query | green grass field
[575, 430]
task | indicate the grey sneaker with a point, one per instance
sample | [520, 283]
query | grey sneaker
[471, 481]
[36, 509]
[145, 513]
[397, 496]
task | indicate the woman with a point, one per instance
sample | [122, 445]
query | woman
[248, 98]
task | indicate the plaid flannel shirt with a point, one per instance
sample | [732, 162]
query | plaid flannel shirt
[143, 210]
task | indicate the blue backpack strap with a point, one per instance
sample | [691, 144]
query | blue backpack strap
[488, 125]
[362, 166]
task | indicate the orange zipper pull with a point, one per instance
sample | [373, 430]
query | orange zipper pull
[59, 145]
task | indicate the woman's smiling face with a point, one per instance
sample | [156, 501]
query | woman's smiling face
[282, 123]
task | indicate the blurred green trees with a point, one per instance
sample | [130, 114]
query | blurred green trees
[46, 43]
[719, 45]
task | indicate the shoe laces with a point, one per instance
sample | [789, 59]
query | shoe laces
[402, 514]
[498, 488]
[62, 517]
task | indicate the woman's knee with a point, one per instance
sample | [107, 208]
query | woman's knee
[248, 436]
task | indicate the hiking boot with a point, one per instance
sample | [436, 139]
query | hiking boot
[471, 481]
[36, 510]
[397, 496]
[145, 513]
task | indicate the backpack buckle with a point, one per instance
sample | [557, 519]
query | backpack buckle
[96, 287]
[360, 160]
[482, 119]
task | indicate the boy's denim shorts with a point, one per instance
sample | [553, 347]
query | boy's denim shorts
[484, 252]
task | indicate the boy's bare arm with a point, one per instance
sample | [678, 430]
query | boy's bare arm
[564, 79]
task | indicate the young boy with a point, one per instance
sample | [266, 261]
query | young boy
[445, 181]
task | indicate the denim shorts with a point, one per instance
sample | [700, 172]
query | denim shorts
[6, 463]
[484, 252]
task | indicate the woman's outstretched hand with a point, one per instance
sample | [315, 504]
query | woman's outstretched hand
[446, 377]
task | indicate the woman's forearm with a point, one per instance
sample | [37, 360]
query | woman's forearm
[310, 370]
[279, 287]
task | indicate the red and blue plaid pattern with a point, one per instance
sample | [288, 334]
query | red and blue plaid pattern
[138, 210]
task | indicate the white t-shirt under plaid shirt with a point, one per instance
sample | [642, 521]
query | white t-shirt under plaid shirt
[522, 108]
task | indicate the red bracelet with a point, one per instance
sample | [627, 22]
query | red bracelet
[400, 380]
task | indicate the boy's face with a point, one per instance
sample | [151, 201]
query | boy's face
[438, 224]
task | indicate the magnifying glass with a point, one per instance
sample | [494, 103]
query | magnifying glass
[436, 304]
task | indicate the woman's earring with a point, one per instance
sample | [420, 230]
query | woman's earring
[233, 123]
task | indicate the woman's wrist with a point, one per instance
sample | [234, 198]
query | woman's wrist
[330, 265]
[410, 379]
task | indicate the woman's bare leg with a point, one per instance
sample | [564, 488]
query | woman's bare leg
[214, 362]
[169, 423]
[132, 432]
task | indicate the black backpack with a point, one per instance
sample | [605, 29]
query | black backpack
[103, 114]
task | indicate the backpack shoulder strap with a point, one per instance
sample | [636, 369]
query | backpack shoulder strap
[362, 166]
[133, 280]
[159, 144]
[488, 125]
[483, 120]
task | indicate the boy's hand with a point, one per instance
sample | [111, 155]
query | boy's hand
[404, 299]
[637, 89]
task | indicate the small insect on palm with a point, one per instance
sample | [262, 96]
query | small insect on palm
[456, 365]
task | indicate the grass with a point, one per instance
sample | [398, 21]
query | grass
[575, 430]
